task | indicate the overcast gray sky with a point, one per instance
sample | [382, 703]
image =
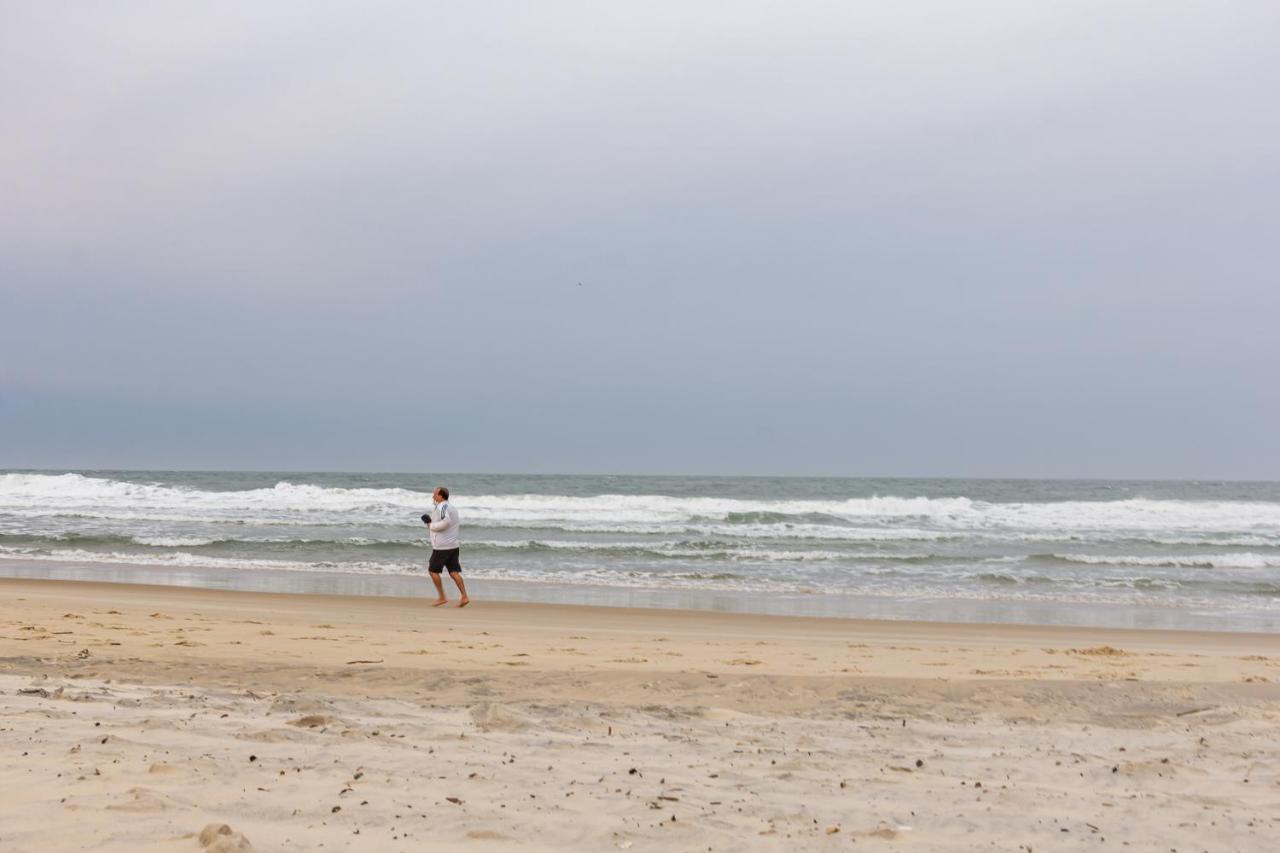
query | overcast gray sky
[910, 238]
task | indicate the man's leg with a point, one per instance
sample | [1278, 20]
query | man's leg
[440, 599]
[462, 588]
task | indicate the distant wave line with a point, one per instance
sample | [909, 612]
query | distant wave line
[24, 494]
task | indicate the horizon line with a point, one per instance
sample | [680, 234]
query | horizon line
[740, 476]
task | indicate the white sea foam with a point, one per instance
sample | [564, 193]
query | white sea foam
[778, 531]
[1219, 541]
[186, 560]
[1190, 561]
[173, 541]
[691, 550]
[179, 559]
[36, 495]
[1102, 591]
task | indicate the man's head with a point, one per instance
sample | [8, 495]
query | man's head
[441, 494]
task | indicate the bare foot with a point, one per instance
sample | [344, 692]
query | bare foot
[464, 602]
[440, 601]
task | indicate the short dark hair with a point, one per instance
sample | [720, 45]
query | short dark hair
[444, 491]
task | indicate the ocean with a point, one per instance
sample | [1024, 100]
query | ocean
[1196, 555]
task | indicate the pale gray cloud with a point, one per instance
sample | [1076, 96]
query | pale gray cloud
[916, 238]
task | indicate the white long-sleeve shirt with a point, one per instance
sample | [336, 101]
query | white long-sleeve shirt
[444, 526]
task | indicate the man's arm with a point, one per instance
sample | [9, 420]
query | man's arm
[446, 521]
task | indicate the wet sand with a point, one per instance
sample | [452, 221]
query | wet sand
[133, 716]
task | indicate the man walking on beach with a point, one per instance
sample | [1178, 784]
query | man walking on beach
[442, 521]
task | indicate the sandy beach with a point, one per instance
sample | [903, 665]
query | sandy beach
[133, 717]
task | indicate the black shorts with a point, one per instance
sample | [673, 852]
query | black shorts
[441, 560]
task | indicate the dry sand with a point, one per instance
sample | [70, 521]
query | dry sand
[133, 717]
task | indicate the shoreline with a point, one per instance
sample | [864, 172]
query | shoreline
[994, 611]
[1049, 647]
[133, 716]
